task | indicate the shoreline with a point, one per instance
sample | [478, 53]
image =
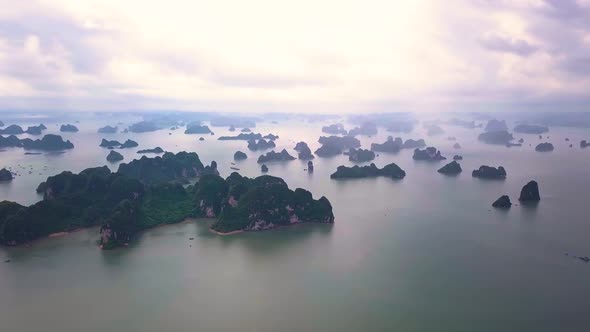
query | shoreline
[223, 234]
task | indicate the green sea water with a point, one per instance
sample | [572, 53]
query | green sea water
[426, 253]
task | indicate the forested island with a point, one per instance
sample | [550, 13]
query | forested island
[148, 192]
[356, 172]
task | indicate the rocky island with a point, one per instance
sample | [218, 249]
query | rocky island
[68, 128]
[262, 203]
[530, 192]
[12, 130]
[452, 168]
[274, 156]
[496, 125]
[355, 172]
[239, 155]
[428, 154]
[360, 155]
[390, 145]
[366, 129]
[502, 203]
[334, 129]
[544, 147]
[262, 144]
[114, 156]
[488, 172]
[123, 206]
[502, 137]
[35, 130]
[143, 127]
[156, 150]
[303, 150]
[241, 136]
[108, 130]
[334, 145]
[5, 175]
[530, 129]
[196, 128]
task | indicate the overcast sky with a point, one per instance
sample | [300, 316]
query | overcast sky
[299, 55]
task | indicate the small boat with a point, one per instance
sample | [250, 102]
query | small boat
[235, 168]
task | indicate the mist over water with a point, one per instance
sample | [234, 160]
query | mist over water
[426, 253]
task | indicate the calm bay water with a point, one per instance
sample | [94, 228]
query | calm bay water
[427, 253]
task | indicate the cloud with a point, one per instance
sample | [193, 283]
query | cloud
[302, 56]
[499, 44]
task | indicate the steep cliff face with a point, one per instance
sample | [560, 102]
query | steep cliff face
[168, 167]
[267, 202]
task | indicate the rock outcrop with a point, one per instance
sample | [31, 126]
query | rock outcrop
[108, 130]
[530, 192]
[451, 168]
[12, 130]
[303, 150]
[502, 203]
[360, 155]
[488, 172]
[334, 145]
[334, 129]
[310, 166]
[274, 156]
[262, 144]
[69, 128]
[428, 154]
[392, 171]
[544, 147]
[502, 137]
[239, 155]
[5, 175]
[114, 156]
[530, 129]
[35, 130]
[267, 202]
[156, 150]
[196, 128]
[391, 145]
[496, 125]
[241, 137]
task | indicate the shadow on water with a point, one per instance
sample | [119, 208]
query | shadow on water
[529, 209]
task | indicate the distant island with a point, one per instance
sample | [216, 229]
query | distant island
[496, 137]
[335, 145]
[49, 142]
[303, 150]
[68, 128]
[544, 147]
[108, 130]
[156, 150]
[356, 172]
[360, 155]
[451, 168]
[261, 144]
[488, 172]
[241, 136]
[275, 156]
[197, 128]
[530, 129]
[335, 129]
[428, 154]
